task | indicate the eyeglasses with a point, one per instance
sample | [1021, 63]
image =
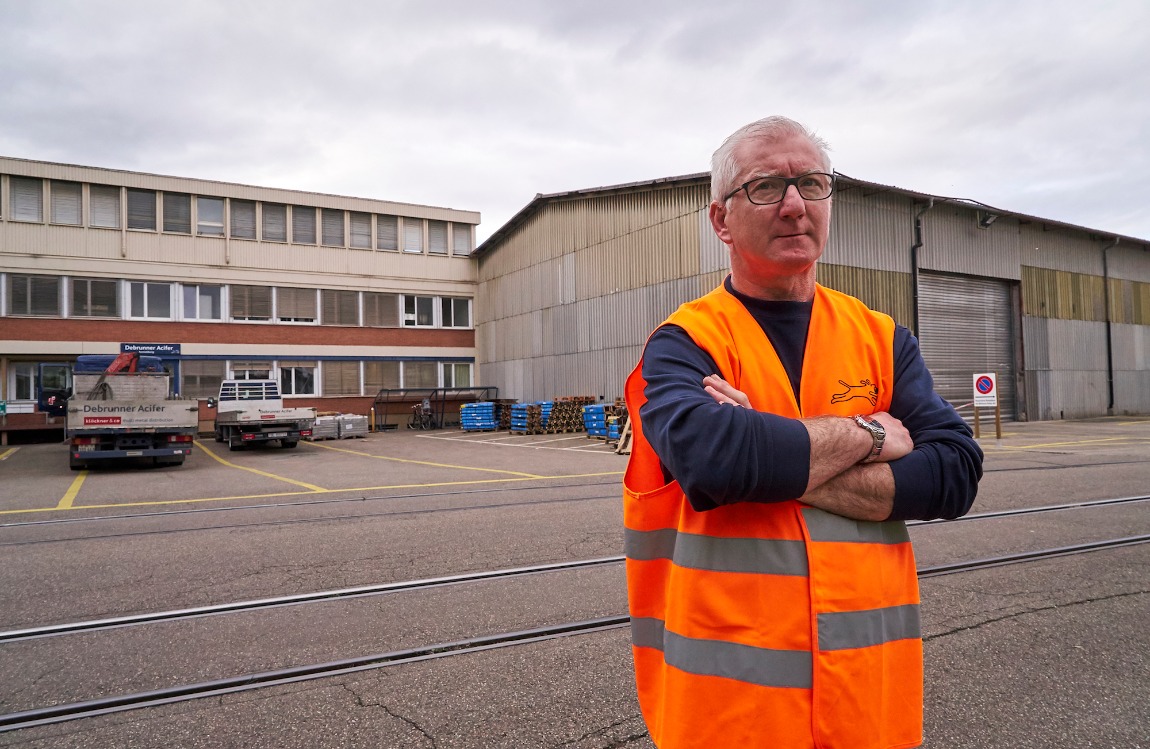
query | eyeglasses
[769, 190]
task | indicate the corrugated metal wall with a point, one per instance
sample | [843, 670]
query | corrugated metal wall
[568, 297]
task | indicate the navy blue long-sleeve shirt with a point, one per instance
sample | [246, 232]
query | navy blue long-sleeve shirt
[721, 455]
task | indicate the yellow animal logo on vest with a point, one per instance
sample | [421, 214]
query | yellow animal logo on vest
[865, 389]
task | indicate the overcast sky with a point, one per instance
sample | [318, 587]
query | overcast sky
[1036, 106]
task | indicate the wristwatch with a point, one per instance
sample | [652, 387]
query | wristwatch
[877, 433]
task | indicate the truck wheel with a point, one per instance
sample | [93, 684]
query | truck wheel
[288, 444]
[219, 436]
[177, 461]
[76, 465]
[234, 444]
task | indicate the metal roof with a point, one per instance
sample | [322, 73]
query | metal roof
[541, 200]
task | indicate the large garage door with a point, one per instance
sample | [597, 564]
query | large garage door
[966, 326]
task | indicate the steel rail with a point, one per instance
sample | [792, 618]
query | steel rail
[155, 698]
[53, 630]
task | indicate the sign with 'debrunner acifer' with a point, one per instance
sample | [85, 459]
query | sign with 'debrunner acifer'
[985, 390]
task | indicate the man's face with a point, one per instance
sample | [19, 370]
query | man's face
[772, 242]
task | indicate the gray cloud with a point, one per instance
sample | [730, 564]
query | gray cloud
[1037, 107]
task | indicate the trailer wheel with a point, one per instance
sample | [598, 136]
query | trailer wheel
[288, 444]
[76, 464]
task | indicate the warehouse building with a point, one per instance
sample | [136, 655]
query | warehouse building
[338, 298]
[572, 285]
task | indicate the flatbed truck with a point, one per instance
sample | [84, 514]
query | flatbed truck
[119, 408]
[251, 412]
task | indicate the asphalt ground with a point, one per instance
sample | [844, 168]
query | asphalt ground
[1045, 654]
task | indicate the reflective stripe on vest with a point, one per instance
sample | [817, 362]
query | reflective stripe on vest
[773, 623]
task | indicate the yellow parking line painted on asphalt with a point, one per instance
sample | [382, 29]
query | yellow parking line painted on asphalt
[164, 502]
[305, 485]
[8, 453]
[426, 463]
[70, 495]
[1067, 444]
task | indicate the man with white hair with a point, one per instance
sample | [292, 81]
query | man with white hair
[782, 433]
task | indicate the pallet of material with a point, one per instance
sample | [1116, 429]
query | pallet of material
[530, 418]
[352, 426]
[478, 417]
[325, 428]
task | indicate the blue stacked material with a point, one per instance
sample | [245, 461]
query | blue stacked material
[478, 417]
[595, 420]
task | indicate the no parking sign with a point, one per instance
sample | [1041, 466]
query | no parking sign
[985, 390]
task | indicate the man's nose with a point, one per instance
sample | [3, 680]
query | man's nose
[792, 205]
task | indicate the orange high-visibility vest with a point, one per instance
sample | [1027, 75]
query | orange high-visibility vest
[773, 624]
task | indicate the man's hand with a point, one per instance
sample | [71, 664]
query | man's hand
[724, 392]
[837, 482]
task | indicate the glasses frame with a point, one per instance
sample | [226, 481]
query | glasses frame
[787, 183]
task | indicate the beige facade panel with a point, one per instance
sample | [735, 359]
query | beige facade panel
[884, 291]
[1062, 294]
[1129, 302]
[954, 243]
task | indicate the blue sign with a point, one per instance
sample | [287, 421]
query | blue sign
[151, 349]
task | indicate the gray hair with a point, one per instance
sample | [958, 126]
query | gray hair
[724, 168]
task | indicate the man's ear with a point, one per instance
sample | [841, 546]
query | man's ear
[718, 215]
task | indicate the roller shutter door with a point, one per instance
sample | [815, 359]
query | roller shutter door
[965, 327]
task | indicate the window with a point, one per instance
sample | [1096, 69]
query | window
[150, 299]
[387, 232]
[380, 375]
[341, 378]
[275, 222]
[177, 213]
[461, 239]
[361, 230]
[67, 203]
[339, 308]
[142, 209]
[243, 219]
[295, 305]
[437, 237]
[302, 224]
[380, 310]
[34, 295]
[297, 378]
[456, 375]
[210, 217]
[203, 302]
[27, 198]
[332, 227]
[251, 370]
[420, 374]
[201, 379]
[455, 312]
[412, 235]
[94, 297]
[250, 302]
[22, 385]
[418, 311]
[104, 206]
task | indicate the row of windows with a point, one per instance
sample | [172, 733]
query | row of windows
[112, 207]
[201, 379]
[66, 296]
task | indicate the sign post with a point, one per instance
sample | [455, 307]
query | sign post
[986, 395]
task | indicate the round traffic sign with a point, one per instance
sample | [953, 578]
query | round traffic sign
[984, 384]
